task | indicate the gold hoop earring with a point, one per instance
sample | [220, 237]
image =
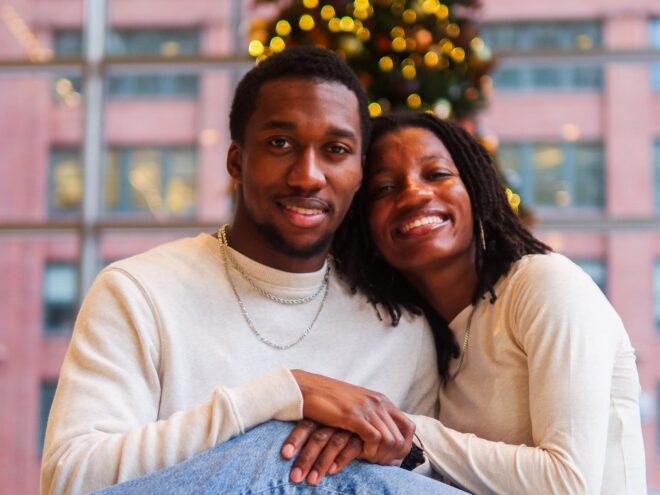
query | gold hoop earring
[482, 236]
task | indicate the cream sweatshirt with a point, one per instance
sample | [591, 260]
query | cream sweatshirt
[546, 401]
[162, 364]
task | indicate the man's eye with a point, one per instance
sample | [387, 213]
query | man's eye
[338, 149]
[279, 143]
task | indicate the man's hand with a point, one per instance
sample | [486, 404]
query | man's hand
[323, 450]
[385, 431]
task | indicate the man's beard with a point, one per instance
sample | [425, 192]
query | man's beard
[279, 243]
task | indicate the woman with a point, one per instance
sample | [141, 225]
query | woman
[540, 389]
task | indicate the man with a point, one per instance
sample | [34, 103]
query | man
[181, 348]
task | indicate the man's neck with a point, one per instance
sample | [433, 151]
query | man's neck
[253, 244]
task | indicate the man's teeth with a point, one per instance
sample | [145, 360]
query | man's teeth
[419, 222]
[303, 211]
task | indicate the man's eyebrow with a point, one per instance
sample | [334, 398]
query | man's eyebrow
[339, 132]
[290, 126]
[279, 124]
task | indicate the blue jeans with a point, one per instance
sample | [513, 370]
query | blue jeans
[251, 464]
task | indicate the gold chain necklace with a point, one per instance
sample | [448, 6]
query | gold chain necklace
[226, 255]
[466, 341]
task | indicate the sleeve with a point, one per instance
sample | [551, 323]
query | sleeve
[570, 335]
[422, 397]
[104, 428]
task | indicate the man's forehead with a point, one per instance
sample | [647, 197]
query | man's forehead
[291, 103]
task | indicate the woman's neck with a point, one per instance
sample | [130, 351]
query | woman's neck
[448, 288]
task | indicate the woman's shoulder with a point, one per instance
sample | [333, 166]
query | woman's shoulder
[548, 270]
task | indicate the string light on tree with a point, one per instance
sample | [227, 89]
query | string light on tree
[423, 55]
[398, 48]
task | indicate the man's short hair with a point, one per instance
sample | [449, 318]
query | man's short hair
[300, 62]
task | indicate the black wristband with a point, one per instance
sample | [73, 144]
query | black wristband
[414, 458]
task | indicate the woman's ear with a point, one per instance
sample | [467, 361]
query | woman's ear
[234, 162]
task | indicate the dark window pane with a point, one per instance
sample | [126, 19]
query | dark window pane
[656, 172]
[587, 77]
[543, 36]
[166, 42]
[60, 297]
[153, 84]
[655, 76]
[68, 43]
[655, 33]
[588, 175]
[46, 396]
[546, 77]
[508, 78]
[656, 294]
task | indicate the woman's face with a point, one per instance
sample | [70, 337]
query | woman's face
[418, 207]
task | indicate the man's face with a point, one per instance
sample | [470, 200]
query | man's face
[298, 167]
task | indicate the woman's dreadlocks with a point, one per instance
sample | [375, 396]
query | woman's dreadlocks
[506, 238]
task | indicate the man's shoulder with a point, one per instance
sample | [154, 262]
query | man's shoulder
[172, 257]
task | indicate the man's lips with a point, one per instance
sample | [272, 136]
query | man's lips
[421, 223]
[304, 212]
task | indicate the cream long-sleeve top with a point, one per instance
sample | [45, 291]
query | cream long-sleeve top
[162, 364]
[546, 400]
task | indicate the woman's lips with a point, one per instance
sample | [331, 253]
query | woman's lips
[421, 224]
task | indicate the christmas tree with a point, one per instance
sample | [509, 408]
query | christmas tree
[420, 55]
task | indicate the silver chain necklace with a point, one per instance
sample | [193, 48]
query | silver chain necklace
[224, 249]
[466, 341]
[222, 237]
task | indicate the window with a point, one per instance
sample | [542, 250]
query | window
[596, 270]
[517, 76]
[59, 297]
[656, 294]
[529, 36]
[655, 43]
[555, 175]
[165, 42]
[157, 180]
[46, 396]
[539, 36]
[656, 172]
[65, 191]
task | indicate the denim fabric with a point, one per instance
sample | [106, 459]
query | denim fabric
[251, 464]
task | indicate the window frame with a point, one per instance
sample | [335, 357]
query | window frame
[568, 174]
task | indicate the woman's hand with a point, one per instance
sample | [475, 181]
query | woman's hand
[385, 431]
[323, 450]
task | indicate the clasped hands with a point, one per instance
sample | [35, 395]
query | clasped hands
[344, 422]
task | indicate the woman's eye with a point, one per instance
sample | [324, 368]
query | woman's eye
[380, 191]
[438, 174]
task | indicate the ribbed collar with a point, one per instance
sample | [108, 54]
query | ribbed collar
[268, 276]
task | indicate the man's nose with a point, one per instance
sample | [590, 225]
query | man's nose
[307, 172]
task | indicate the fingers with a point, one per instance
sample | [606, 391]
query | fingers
[347, 455]
[336, 444]
[391, 446]
[310, 453]
[297, 438]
